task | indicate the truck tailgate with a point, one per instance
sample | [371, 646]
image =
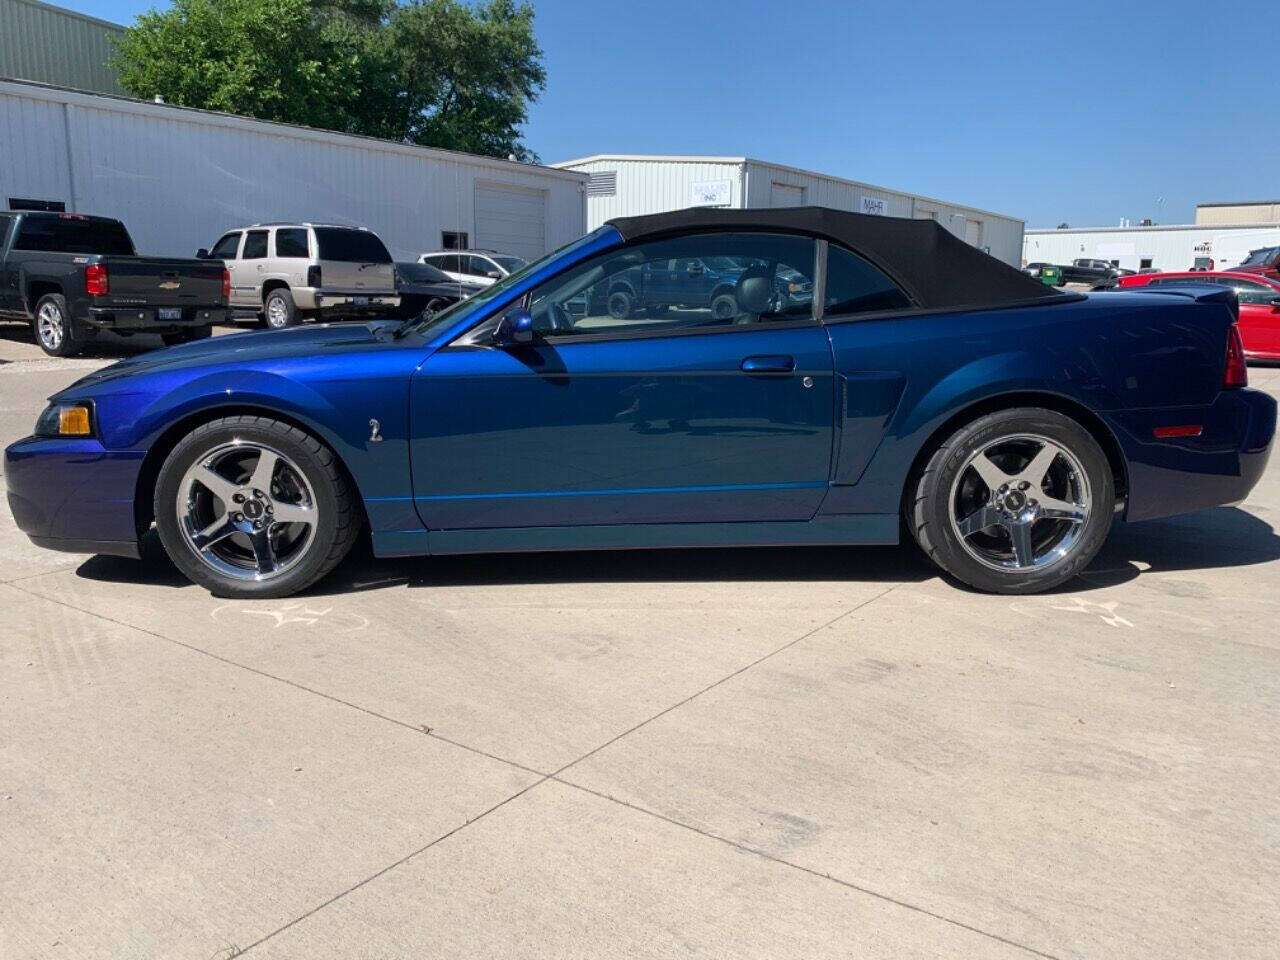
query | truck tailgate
[156, 282]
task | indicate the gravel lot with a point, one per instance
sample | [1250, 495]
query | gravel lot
[768, 753]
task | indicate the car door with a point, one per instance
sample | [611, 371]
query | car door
[247, 276]
[1259, 317]
[10, 301]
[227, 249]
[603, 420]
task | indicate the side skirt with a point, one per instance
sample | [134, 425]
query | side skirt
[866, 529]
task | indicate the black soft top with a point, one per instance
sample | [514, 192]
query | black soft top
[934, 267]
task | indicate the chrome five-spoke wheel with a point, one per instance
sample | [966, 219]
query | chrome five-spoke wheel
[1016, 501]
[1020, 503]
[247, 511]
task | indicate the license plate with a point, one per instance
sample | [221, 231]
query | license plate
[360, 301]
[170, 313]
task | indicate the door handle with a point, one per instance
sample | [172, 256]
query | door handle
[769, 363]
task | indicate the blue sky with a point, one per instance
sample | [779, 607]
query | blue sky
[1080, 112]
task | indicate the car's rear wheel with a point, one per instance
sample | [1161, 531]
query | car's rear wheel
[279, 309]
[53, 329]
[1018, 501]
[252, 507]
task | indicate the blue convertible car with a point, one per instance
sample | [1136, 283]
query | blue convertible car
[922, 385]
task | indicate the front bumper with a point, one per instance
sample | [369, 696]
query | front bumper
[1219, 467]
[73, 494]
[147, 319]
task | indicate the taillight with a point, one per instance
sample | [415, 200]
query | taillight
[226, 284]
[313, 277]
[95, 280]
[1237, 374]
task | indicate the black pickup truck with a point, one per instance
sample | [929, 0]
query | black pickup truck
[71, 275]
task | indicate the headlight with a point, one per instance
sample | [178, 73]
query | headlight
[66, 420]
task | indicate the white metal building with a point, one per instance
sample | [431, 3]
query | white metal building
[1156, 247]
[39, 41]
[180, 177]
[622, 185]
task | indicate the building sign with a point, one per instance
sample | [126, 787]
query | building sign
[875, 206]
[711, 193]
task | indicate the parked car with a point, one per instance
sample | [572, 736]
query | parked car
[70, 276]
[1259, 299]
[424, 289]
[1089, 271]
[1047, 273]
[481, 267]
[1008, 423]
[1264, 262]
[288, 272]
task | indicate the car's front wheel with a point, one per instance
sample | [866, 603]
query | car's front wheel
[248, 507]
[1018, 501]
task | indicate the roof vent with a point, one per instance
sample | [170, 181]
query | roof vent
[603, 184]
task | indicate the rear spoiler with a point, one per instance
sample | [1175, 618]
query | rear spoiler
[1199, 292]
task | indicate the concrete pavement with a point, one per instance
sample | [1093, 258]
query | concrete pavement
[771, 753]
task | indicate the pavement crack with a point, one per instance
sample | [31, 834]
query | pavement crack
[848, 884]
[727, 677]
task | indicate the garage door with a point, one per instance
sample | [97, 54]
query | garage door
[511, 220]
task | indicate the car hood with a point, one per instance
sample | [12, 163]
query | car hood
[247, 349]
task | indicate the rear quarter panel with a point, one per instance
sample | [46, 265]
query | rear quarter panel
[1125, 357]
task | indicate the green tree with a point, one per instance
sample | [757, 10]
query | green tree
[433, 72]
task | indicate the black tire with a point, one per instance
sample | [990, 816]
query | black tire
[436, 304]
[338, 515]
[52, 327]
[935, 503]
[279, 310]
[620, 304]
[190, 335]
[724, 306]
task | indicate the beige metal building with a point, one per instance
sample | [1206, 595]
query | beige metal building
[1255, 211]
[51, 45]
[623, 185]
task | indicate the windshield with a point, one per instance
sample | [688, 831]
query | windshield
[434, 324]
[509, 264]
[1257, 258]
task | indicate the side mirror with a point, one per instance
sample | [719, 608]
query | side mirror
[515, 328]
[1276, 302]
[493, 274]
[202, 254]
[696, 268]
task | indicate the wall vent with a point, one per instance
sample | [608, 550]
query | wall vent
[603, 184]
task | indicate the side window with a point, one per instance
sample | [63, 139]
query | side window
[856, 286]
[225, 249]
[255, 245]
[758, 278]
[1255, 293]
[292, 242]
[450, 264]
[481, 267]
[4, 229]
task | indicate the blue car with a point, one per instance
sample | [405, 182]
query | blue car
[918, 385]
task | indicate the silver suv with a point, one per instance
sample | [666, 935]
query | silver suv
[479, 267]
[286, 272]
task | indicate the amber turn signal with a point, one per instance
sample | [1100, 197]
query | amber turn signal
[73, 421]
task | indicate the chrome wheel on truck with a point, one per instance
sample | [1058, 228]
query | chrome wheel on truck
[52, 327]
[249, 506]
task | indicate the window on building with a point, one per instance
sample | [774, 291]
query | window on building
[26, 203]
[1144, 263]
[292, 242]
[454, 240]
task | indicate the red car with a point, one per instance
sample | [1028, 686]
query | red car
[1259, 304]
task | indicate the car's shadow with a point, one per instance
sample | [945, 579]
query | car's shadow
[1222, 537]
